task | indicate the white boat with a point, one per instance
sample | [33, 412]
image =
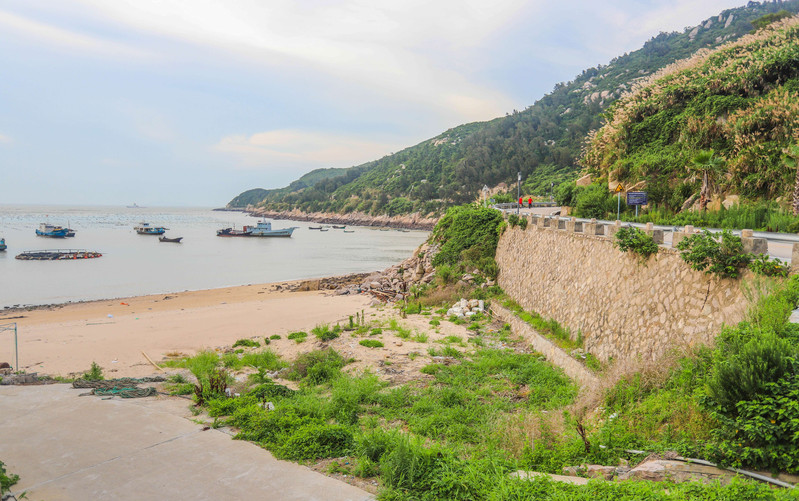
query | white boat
[261, 229]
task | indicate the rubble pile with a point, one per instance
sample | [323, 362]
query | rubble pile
[466, 308]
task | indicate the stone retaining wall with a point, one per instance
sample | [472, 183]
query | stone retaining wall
[624, 307]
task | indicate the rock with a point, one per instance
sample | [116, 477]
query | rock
[470, 313]
[398, 343]
[468, 277]
[528, 475]
[660, 470]
[573, 471]
[374, 285]
[474, 303]
[599, 471]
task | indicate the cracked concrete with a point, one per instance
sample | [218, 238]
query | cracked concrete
[68, 447]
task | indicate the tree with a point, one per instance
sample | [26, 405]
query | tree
[707, 166]
[791, 159]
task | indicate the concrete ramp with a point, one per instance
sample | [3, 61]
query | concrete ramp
[68, 447]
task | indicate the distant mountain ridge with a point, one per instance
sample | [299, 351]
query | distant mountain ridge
[543, 142]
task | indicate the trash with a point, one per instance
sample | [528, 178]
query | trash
[124, 304]
[110, 316]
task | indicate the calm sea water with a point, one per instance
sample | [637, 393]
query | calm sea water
[135, 264]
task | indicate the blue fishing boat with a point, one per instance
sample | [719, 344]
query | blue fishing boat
[3, 244]
[261, 229]
[146, 229]
[52, 231]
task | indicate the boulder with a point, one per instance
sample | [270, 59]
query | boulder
[660, 470]
[599, 471]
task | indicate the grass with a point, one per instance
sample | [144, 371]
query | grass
[248, 343]
[371, 343]
[298, 337]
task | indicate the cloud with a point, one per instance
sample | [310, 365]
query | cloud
[301, 149]
[66, 40]
[417, 51]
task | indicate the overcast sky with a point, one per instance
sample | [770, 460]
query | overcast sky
[190, 102]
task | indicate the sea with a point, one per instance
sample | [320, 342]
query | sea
[133, 264]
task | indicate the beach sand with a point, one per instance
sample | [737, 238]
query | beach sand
[65, 340]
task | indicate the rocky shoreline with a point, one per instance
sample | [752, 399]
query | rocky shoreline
[413, 221]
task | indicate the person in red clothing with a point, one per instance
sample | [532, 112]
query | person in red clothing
[529, 201]
[521, 202]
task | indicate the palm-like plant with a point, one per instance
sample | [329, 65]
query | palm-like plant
[707, 166]
[791, 158]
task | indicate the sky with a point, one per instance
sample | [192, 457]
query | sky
[191, 102]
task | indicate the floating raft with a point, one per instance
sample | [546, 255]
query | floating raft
[57, 254]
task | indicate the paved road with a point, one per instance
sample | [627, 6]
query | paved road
[66, 447]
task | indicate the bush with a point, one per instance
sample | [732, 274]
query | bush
[467, 228]
[325, 333]
[764, 265]
[6, 479]
[595, 201]
[371, 343]
[707, 252]
[95, 373]
[513, 220]
[631, 239]
[316, 441]
[523, 223]
[316, 367]
[247, 343]
[297, 337]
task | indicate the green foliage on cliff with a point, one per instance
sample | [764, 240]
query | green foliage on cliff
[468, 237]
[542, 141]
[741, 101]
[722, 255]
[631, 239]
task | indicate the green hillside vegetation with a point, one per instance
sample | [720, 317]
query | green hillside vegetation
[256, 195]
[542, 142]
[731, 114]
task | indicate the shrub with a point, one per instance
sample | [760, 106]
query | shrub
[6, 479]
[523, 223]
[95, 373]
[325, 333]
[764, 265]
[466, 228]
[316, 367]
[722, 256]
[632, 239]
[376, 331]
[371, 343]
[316, 441]
[513, 220]
[274, 336]
[247, 343]
[298, 337]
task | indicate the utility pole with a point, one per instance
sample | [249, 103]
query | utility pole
[518, 191]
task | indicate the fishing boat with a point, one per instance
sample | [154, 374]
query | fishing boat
[338, 227]
[314, 227]
[261, 229]
[349, 231]
[57, 255]
[173, 240]
[3, 245]
[70, 232]
[52, 231]
[146, 229]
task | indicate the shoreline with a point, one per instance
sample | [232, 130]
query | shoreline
[410, 221]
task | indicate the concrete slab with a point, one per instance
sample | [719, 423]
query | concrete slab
[68, 447]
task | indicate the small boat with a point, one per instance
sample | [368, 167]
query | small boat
[173, 240]
[52, 231]
[261, 229]
[146, 229]
[3, 245]
[70, 232]
[324, 229]
[338, 227]
[314, 227]
[134, 206]
[57, 255]
[349, 231]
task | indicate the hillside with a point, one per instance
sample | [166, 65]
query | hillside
[741, 100]
[542, 142]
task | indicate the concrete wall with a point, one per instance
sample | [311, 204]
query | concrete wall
[624, 307]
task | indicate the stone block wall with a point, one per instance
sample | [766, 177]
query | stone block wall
[625, 308]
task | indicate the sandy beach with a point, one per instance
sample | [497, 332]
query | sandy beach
[64, 340]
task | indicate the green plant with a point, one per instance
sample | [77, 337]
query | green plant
[632, 239]
[6, 479]
[420, 337]
[513, 220]
[247, 343]
[371, 343]
[762, 264]
[722, 256]
[523, 223]
[376, 331]
[274, 337]
[316, 367]
[95, 373]
[297, 337]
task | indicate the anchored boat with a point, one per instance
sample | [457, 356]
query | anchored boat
[173, 240]
[146, 229]
[261, 229]
[3, 245]
[52, 231]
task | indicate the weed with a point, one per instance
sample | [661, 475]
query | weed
[95, 373]
[324, 333]
[316, 367]
[376, 331]
[420, 337]
[371, 343]
[298, 337]
[274, 337]
[247, 343]
[435, 322]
